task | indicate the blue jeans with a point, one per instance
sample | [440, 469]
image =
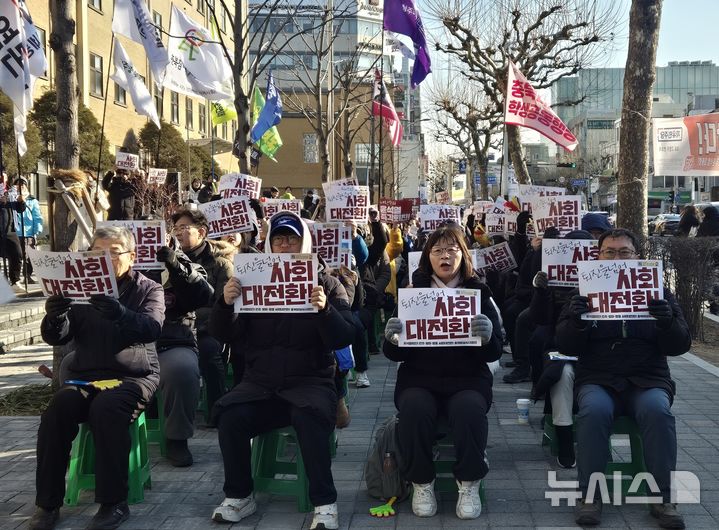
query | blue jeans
[649, 407]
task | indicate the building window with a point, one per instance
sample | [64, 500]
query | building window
[97, 4]
[42, 36]
[157, 19]
[202, 117]
[188, 113]
[174, 107]
[159, 99]
[201, 6]
[120, 95]
[223, 18]
[96, 75]
[310, 148]
[224, 130]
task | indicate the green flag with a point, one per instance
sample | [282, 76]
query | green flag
[270, 141]
[222, 111]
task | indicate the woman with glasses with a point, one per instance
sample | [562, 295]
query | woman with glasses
[452, 383]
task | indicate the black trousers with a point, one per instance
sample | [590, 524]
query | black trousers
[419, 411]
[109, 414]
[510, 312]
[523, 329]
[239, 423]
[359, 344]
[27, 265]
[212, 367]
[12, 253]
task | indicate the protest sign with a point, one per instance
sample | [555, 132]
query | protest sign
[437, 317]
[327, 186]
[686, 146]
[561, 211]
[442, 197]
[238, 185]
[271, 206]
[228, 216]
[74, 275]
[276, 283]
[413, 263]
[498, 257]
[528, 191]
[348, 203]
[156, 176]
[510, 222]
[149, 237]
[620, 289]
[333, 243]
[481, 207]
[560, 258]
[494, 224]
[127, 161]
[395, 210]
[432, 215]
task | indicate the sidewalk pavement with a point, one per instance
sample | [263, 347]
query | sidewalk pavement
[515, 487]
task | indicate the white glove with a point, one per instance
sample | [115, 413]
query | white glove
[481, 327]
[392, 330]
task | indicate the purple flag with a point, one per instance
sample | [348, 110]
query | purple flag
[401, 16]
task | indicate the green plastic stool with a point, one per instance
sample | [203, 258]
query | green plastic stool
[267, 452]
[156, 426]
[626, 425]
[81, 471]
[444, 481]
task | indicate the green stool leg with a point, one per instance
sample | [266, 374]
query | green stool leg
[156, 426]
[628, 470]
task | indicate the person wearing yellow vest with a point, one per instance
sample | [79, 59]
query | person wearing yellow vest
[394, 251]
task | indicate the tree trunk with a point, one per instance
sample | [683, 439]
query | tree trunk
[516, 155]
[242, 88]
[639, 77]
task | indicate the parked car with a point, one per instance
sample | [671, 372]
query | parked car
[666, 224]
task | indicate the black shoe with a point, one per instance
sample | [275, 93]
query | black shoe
[178, 454]
[510, 364]
[518, 375]
[588, 514]
[109, 516]
[565, 443]
[44, 519]
[667, 515]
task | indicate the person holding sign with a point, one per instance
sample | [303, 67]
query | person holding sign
[452, 382]
[288, 379]
[622, 369]
[113, 339]
[121, 192]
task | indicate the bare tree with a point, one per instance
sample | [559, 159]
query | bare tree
[546, 39]
[439, 172]
[639, 77]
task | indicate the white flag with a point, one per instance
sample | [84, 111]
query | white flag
[132, 20]
[198, 66]
[130, 79]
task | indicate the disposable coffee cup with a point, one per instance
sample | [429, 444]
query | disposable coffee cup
[523, 410]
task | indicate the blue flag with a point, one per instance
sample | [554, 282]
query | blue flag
[271, 113]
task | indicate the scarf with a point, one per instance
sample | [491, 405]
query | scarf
[451, 284]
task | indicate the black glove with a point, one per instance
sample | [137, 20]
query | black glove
[57, 306]
[662, 312]
[110, 308]
[578, 306]
[522, 222]
[168, 257]
[541, 280]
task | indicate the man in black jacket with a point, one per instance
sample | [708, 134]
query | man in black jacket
[121, 192]
[622, 369]
[10, 249]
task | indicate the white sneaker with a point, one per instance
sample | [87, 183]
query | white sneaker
[234, 510]
[424, 503]
[469, 505]
[362, 380]
[325, 517]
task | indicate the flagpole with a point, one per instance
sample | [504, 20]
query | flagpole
[102, 128]
[22, 219]
[381, 104]
[372, 154]
[9, 212]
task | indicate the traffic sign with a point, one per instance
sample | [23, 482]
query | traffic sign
[578, 182]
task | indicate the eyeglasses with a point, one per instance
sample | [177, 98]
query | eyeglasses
[437, 251]
[114, 254]
[622, 253]
[178, 229]
[285, 240]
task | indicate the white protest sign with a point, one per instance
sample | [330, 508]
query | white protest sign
[510, 222]
[498, 257]
[494, 224]
[481, 207]
[149, 237]
[413, 263]
[529, 191]
[437, 317]
[238, 185]
[560, 258]
[127, 161]
[498, 206]
[561, 211]
[333, 243]
[156, 175]
[276, 283]
[271, 206]
[347, 203]
[620, 289]
[432, 215]
[75, 275]
[228, 216]
[327, 186]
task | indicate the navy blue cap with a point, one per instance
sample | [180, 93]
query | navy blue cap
[286, 221]
[595, 221]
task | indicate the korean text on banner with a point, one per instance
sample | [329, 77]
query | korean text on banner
[271, 206]
[432, 215]
[561, 256]
[276, 283]
[438, 317]
[561, 211]
[527, 192]
[74, 275]
[524, 107]
[149, 237]
[481, 207]
[498, 257]
[687, 146]
[333, 243]
[156, 176]
[327, 186]
[239, 184]
[494, 224]
[395, 210]
[228, 216]
[620, 289]
[348, 203]
[127, 161]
